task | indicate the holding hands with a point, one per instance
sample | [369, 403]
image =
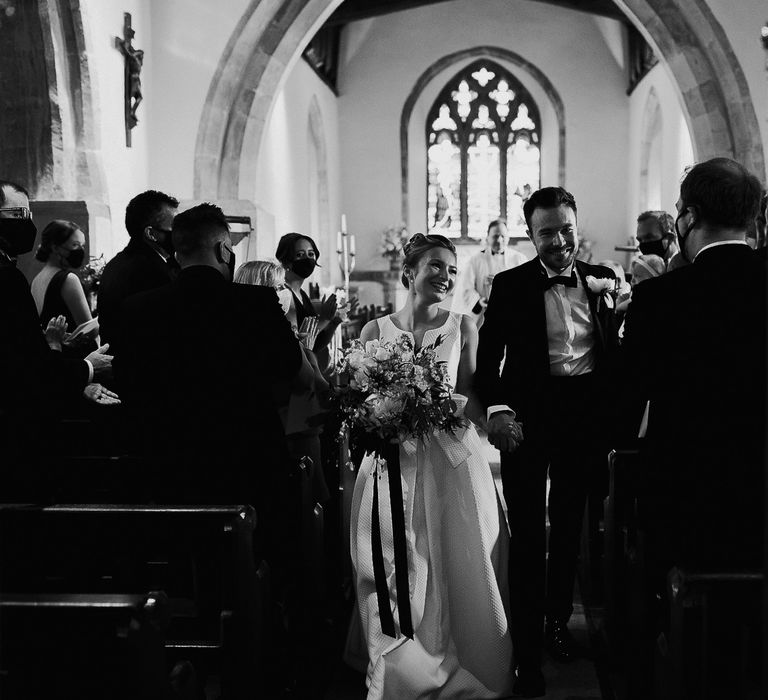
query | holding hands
[504, 432]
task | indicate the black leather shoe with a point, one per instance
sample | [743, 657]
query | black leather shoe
[529, 683]
[559, 642]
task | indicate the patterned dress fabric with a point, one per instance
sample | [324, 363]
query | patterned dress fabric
[457, 542]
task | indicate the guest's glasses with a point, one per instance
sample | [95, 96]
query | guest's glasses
[15, 213]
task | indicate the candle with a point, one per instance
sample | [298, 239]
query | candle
[338, 241]
[344, 224]
[345, 257]
[352, 244]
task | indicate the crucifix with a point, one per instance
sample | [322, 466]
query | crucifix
[134, 59]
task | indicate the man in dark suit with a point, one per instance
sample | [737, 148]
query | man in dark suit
[35, 380]
[198, 369]
[695, 348]
[552, 325]
[147, 262]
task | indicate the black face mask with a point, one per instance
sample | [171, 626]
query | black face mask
[231, 265]
[74, 258]
[654, 248]
[304, 267]
[17, 236]
[682, 238]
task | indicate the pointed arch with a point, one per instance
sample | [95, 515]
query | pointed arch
[650, 153]
[318, 185]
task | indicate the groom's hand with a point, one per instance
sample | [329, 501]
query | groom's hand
[504, 433]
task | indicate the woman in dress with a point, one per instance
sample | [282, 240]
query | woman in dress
[299, 254]
[456, 533]
[56, 288]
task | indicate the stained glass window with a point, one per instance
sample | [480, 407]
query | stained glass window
[483, 152]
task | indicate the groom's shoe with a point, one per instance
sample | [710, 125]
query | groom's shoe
[529, 683]
[559, 642]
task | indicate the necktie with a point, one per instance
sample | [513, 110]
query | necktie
[550, 282]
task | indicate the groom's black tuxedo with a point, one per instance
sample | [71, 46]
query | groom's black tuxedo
[695, 346]
[562, 426]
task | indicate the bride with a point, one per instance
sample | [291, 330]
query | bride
[455, 531]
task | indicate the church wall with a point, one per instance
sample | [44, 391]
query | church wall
[676, 150]
[382, 59]
[741, 22]
[182, 45]
[126, 170]
[288, 186]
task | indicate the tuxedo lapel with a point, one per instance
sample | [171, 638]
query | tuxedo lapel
[538, 328]
[594, 304]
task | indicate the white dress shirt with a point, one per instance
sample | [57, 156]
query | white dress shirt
[569, 330]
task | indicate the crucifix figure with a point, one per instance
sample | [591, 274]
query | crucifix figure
[134, 59]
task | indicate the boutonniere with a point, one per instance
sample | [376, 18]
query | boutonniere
[603, 287]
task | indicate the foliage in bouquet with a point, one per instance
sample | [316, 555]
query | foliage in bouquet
[389, 391]
[392, 241]
[90, 275]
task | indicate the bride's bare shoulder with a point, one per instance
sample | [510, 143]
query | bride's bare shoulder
[370, 331]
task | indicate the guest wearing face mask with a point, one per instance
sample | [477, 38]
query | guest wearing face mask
[56, 289]
[656, 236]
[299, 255]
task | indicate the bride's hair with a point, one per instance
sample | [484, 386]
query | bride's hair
[418, 245]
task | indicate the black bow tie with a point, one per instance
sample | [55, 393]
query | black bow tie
[550, 282]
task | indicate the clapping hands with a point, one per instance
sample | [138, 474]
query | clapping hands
[307, 334]
[100, 395]
[56, 332]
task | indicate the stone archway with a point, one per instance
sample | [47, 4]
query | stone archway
[271, 34]
[652, 127]
[318, 144]
[451, 59]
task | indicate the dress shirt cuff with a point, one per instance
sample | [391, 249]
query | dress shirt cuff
[90, 370]
[498, 408]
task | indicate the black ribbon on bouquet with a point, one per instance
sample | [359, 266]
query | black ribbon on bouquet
[391, 454]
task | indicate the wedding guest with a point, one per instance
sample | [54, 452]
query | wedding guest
[202, 356]
[300, 408]
[702, 483]
[56, 289]
[299, 255]
[656, 236]
[35, 378]
[482, 268]
[147, 261]
[707, 410]
[555, 336]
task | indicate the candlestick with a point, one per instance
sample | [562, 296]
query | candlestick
[352, 244]
[343, 224]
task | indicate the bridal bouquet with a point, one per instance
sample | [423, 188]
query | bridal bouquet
[391, 392]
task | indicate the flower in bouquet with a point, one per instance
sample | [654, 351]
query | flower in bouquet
[91, 274]
[391, 392]
[392, 241]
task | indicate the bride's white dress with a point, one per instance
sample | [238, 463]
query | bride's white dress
[457, 562]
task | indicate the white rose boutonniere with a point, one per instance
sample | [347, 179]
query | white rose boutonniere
[603, 287]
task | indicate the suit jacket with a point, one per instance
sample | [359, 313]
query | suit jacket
[35, 383]
[200, 360]
[515, 330]
[694, 345]
[136, 268]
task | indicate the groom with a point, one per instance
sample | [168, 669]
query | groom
[554, 335]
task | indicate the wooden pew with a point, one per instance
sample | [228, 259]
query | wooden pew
[83, 646]
[713, 635]
[619, 545]
[202, 557]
